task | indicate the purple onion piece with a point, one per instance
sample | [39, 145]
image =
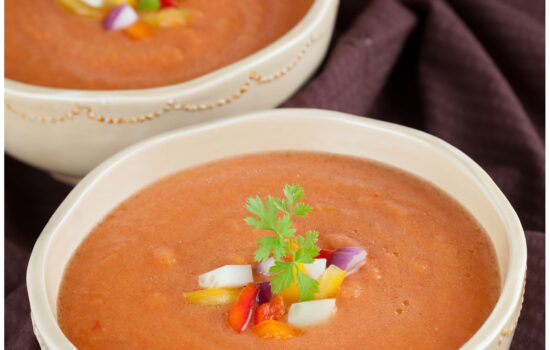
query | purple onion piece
[120, 17]
[349, 259]
[264, 293]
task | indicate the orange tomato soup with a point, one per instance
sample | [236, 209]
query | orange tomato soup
[430, 280]
[47, 45]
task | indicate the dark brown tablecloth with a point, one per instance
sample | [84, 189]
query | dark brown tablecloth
[468, 71]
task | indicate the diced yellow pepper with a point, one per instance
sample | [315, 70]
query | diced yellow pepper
[213, 296]
[165, 18]
[330, 281]
[113, 3]
[79, 8]
[292, 293]
[272, 329]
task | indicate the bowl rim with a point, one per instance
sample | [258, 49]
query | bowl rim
[295, 36]
[512, 288]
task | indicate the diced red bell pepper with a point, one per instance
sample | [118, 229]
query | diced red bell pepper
[241, 312]
[272, 310]
[168, 3]
[325, 254]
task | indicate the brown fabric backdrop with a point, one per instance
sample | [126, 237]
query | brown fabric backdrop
[468, 71]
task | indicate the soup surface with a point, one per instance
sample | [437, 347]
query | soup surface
[47, 45]
[430, 280]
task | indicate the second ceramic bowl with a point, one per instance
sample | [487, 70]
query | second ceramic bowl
[68, 132]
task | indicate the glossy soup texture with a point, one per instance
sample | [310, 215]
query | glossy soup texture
[430, 280]
[49, 46]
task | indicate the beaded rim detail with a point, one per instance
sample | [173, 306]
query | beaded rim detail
[506, 331]
[253, 77]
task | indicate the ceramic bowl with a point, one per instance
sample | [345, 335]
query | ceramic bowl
[278, 130]
[68, 132]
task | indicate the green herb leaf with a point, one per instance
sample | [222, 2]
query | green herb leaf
[293, 193]
[311, 238]
[308, 286]
[266, 215]
[307, 250]
[282, 205]
[284, 275]
[285, 244]
[302, 209]
[267, 245]
[284, 224]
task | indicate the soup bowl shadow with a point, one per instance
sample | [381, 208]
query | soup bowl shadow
[67, 132]
[281, 130]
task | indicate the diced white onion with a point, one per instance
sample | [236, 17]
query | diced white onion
[228, 276]
[316, 268]
[263, 267]
[93, 3]
[310, 313]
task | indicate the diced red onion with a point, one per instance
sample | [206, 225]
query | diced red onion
[263, 267]
[349, 259]
[120, 17]
[264, 293]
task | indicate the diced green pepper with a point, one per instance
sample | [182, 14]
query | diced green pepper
[148, 5]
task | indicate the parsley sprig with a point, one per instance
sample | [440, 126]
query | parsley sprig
[290, 251]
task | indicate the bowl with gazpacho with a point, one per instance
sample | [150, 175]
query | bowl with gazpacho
[86, 78]
[282, 229]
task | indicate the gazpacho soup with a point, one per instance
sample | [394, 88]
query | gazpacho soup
[130, 44]
[282, 250]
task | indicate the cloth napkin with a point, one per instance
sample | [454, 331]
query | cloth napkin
[468, 71]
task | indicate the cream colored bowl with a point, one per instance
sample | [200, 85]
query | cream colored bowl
[276, 130]
[68, 132]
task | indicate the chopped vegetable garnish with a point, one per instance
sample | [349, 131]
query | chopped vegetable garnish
[287, 249]
[291, 294]
[93, 3]
[79, 8]
[330, 282]
[148, 5]
[264, 295]
[113, 3]
[349, 259]
[122, 16]
[298, 269]
[316, 268]
[166, 18]
[310, 313]
[272, 310]
[138, 31]
[241, 312]
[263, 267]
[213, 296]
[228, 276]
[325, 254]
[272, 329]
[168, 3]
